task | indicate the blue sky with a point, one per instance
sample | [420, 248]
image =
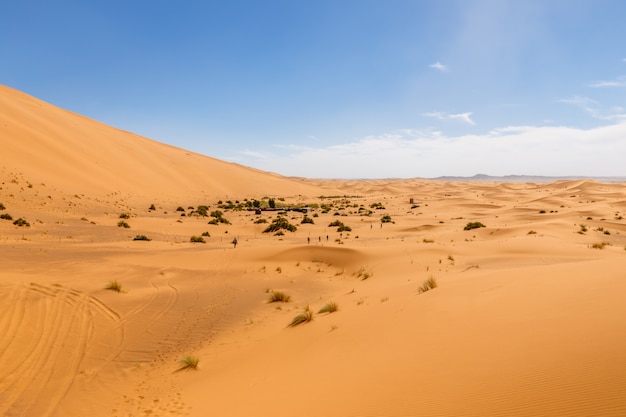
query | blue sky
[340, 88]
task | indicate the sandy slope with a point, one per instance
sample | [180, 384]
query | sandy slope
[528, 317]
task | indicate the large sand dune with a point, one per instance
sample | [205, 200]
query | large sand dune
[528, 317]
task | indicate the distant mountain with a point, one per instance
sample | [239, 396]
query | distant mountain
[526, 178]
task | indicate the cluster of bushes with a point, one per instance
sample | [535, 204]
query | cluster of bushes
[218, 217]
[278, 224]
[340, 226]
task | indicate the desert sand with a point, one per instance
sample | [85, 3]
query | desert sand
[528, 316]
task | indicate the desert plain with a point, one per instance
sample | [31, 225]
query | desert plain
[452, 298]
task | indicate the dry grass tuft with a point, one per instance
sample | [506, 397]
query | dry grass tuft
[304, 317]
[329, 308]
[429, 284]
[279, 297]
[188, 362]
[114, 286]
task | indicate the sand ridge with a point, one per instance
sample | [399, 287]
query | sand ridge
[527, 316]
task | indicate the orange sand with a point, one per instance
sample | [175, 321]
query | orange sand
[528, 318]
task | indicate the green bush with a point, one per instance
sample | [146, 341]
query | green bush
[473, 225]
[197, 239]
[307, 220]
[123, 224]
[21, 222]
[386, 219]
[280, 223]
[124, 216]
[6, 216]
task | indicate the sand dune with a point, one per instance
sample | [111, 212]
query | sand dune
[527, 318]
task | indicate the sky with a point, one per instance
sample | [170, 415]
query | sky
[340, 88]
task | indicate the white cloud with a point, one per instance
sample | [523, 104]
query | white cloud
[593, 108]
[439, 66]
[618, 82]
[464, 117]
[509, 150]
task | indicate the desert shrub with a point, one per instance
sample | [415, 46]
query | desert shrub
[188, 362]
[386, 219]
[473, 225]
[179, 208]
[206, 234]
[218, 217]
[600, 245]
[363, 274]
[329, 308]
[280, 223]
[141, 237]
[114, 286]
[2, 207]
[123, 224]
[304, 317]
[124, 216]
[278, 297]
[532, 232]
[197, 239]
[307, 220]
[21, 222]
[340, 226]
[152, 207]
[429, 284]
[6, 216]
[377, 206]
[260, 221]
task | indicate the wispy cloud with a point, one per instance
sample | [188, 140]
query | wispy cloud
[440, 67]
[595, 109]
[618, 82]
[509, 150]
[463, 117]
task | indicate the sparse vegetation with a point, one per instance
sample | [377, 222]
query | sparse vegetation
[600, 245]
[114, 286]
[260, 221]
[278, 297]
[363, 274]
[583, 229]
[124, 216]
[2, 207]
[280, 223]
[123, 224]
[206, 234]
[304, 317]
[21, 222]
[218, 217]
[427, 285]
[473, 225]
[188, 362]
[328, 308]
[6, 216]
[386, 219]
[307, 220]
[152, 207]
[197, 239]
[141, 237]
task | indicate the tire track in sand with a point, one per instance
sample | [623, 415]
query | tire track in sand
[47, 333]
